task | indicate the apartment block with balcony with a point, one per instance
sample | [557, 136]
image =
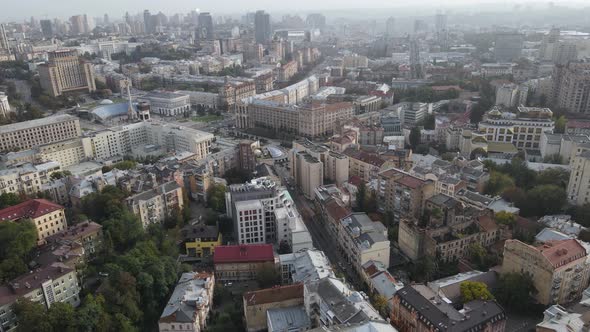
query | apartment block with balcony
[559, 269]
[155, 205]
[403, 193]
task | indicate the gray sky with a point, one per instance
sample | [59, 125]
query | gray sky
[17, 10]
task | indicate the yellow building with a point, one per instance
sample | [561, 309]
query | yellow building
[49, 218]
[201, 240]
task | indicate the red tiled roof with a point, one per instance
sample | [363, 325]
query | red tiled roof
[273, 295]
[446, 87]
[562, 252]
[365, 157]
[336, 211]
[243, 253]
[410, 181]
[355, 180]
[33, 208]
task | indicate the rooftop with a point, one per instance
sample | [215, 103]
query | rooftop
[189, 296]
[273, 295]
[32, 208]
[53, 119]
[243, 253]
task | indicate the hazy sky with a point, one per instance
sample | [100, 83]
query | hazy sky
[17, 10]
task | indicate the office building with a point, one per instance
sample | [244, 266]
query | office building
[47, 28]
[168, 103]
[571, 87]
[46, 286]
[242, 262]
[147, 22]
[508, 47]
[66, 72]
[157, 204]
[316, 21]
[390, 27]
[418, 308]
[205, 29]
[441, 32]
[49, 218]
[559, 269]
[28, 134]
[262, 29]
[190, 303]
[413, 113]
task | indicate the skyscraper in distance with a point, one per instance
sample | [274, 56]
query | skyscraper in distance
[4, 39]
[47, 28]
[389, 27]
[262, 30]
[205, 30]
[147, 21]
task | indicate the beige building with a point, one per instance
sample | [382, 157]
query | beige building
[49, 218]
[578, 187]
[335, 164]
[403, 193]
[27, 179]
[168, 103]
[66, 72]
[190, 303]
[365, 165]
[307, 171]
[46, 285]
[559, 269]
[155, 205]
[28, 134]
[571, 85]
[242, 262]
[257, 304]
[66, 153]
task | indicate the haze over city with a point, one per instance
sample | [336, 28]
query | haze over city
[320, 166]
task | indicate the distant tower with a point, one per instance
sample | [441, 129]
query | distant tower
[389, 27]
[4, 40]
[262, 29]
[440, 22]
[415, 67]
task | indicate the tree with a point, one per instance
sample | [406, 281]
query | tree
[380, 303]
[415, 137]
[560, 125]
[474, 290]
[284, 248]
[544, 199]
[125, 165]
[60, 174]
[9, 199]
[216, 197]
[429, 122]
[555, 176]
[449, 156]
[515, 291]
[17, 240]
[505, 218]
[497, 183]
[267, 276]
[581, 214]
[361, 196]
[423, 269]
[32, 316]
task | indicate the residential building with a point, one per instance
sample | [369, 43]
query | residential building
[262, 28]
[290, 228]
[559, 269]
[403, 193]
[247, 157]
[557, 318]
[366, 104]
[27, 179]
[304, 266]
[355, 61]
[4, 105]
[571, 87]
[66, 72]
[66, 153]
[28, 134]
[49, 218]
[284, 319]
[363, 240]
[511, 95]
[258, 303]
[87, 234]
[200, 240]
[307, 171]
[168, 103]
[418, 308]
[335, 164]
[496, 69]
[46, 286]
[578, 187]
[157, 204]
[364, 164]
[242, 262]
[190, 303]
[508, 47]
[523, 128]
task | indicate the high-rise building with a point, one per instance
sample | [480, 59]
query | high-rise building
[47, 28]
[415, 65]
[578, 188]
[105, 19]
[390, 27]
[571, 87]
[28, 134]
[205, 30]
[4, 39]
[548, 43]
[316, 21]
[508, 47]
[147, 21]
[262, 30]
[441, 30]
[79, 24]
[66, 71]
[564, 52]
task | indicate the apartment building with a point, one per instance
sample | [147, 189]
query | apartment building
[155, 205]
[363, 240]
[258, 303]
[66, 72]
[335, 165]
[4, 105]
[46, 285]
[578, 187]
[403, 193]
[304, 266]
[49, 218]
[27, 179]
[307, 171]
[523, 128]
[66, 153]
[242, 262]
[86, 234]
[28, 134]
[232, 92]
[559, 269]
[418, 308]
[190, 303]
[365, 165]
[168, 103]
[571, 87]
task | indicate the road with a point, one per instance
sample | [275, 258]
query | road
[319, 234]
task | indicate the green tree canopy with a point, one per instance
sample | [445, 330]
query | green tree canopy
[17, 240]
[216, 197]
[267, 276]
[515, 291]
[474, 290]
[497, 183]
[415, 137]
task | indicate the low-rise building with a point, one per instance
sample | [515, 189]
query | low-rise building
[46, 285]
[157, 204]
[200, 240]
[258, 303]
[559, 269]
[304, 266]
[87, 234]
[190, 303]
[242, 262]
[49, 218]
[168, 103]
[418, 308]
